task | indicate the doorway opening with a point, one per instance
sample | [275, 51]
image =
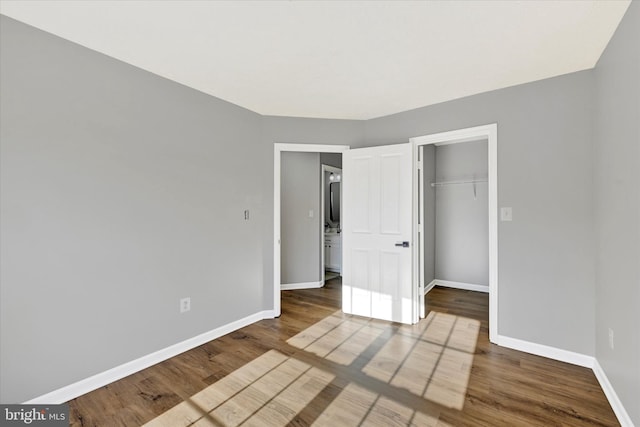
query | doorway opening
[422, 145]
[331, 207]
[279, 149]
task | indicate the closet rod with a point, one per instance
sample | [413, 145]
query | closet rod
[473, 181]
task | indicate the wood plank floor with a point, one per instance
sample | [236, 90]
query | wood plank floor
[316, 366]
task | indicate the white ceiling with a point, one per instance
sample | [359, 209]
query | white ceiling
[348, 59]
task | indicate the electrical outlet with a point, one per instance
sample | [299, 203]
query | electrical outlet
[185, 305]
[611, 338]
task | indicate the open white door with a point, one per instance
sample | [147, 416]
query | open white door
[377, 233]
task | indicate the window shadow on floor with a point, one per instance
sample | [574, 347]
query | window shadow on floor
[344, 370]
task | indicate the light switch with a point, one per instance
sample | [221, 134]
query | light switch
[506, 214]
[311, 214]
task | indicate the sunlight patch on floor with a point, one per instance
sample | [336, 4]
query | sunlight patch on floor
[431, 359]
[380, 368]
[437, 362]
[358, 406]
[268, 391]
[337, 338]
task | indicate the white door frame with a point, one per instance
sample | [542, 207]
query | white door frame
[278, 148]
[490, 133]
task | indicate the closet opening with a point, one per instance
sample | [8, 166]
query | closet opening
[455, 206]
[455, 215]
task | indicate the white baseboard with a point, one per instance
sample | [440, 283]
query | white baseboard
[547, 351]
[575, 359]
[612, 396]
[94, 382]
[81, 387]
[268, 314]
[461, 285]
[429, 286]
[302, 285]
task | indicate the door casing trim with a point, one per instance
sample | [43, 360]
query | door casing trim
[490, 133]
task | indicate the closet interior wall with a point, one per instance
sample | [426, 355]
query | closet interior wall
[456, 234]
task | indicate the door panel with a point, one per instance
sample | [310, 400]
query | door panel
[377, 274]
[390, 203]
[361, 267]
[361, 192]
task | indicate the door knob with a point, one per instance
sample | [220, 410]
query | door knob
[403, 244]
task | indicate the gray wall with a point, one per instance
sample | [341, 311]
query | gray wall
[462, 220]
[617, 203]
[544, 172]
[331, 159]
[299, 233]
[429, 215]
[121, 193]
[313, 131]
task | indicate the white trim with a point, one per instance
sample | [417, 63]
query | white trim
[322, 222]
[302, 285]
[461, 285]
[471, 138]
[310, 148]
[94, 382]
[430, 286]
[618, 408]
[418, 222]
[547, 351]
[278, 148]
[490, 133]
[455, 136]
[268, 314]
